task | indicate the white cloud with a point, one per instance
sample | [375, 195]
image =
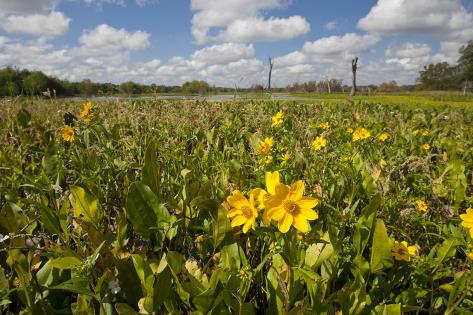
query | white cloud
[331, 25]
[447, 20]
[411, 56]
[241, 21]
[291, 59]
[331, 49]
[394, 17]
[105, 38]
[53, 24]
[258, 29]
[224, 53]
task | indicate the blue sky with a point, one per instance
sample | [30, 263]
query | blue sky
[227, 42]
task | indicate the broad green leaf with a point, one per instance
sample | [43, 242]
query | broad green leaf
[390, 309]
[11, 219]
[317, 253]
[365, 224]
[141, 267]
[85, 205]
[446, 250]
[381, 257]
[76, 285]
[151, 173]
[66, 262]
[220, 225]
[125, 309]
[4, 287]
[141, 208]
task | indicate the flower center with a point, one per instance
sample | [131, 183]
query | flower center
[290, 206]
[246, 212]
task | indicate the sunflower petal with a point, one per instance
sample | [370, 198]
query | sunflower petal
[309, 214]
[300, 223]
[271, 179]
[307, 202]
[233, 212]
[237, 200]
[296, 191]
[285, 223]
[238, 220]
[281, 191]
[276, 213]
[247, 226]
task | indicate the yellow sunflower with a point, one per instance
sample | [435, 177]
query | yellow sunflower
[360, 134]
[278, 119]
[421, 206]
[87, 112]
[402, 251]
[265, 146]
[289, 207]
[383, 137]
[319, 143]
[243, 211]
[67, 133]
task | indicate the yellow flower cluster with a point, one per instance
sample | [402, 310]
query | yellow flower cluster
[350, 130]
[467, 220]
[426, 146]
[324, 125]
[401, 251]
[265, 146]
[285, 204]
[383, 137]
[67, 133]
[278, 119]
[421, 206]
[360, 134]
[87, 112]
[319, 143]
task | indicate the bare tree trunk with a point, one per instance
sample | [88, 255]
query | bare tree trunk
[328, 86]
[271, 62]
[354, 67]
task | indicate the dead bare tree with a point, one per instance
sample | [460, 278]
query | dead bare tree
[271, 62]
[354, 67]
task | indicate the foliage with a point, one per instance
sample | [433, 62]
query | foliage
[131, 216]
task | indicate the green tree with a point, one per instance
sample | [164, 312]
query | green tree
[35, 83]
[465, 62]
[440, 76]
[194, 87]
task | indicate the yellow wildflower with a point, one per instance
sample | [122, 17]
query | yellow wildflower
[467, 220]
[286, 157]
[271, 180]
[415, 132]
[402, 251]
[350, 130]
[425, 132]
[278, 119]
[243, 212]
[67, 133]
[421, 206]
[324, 125]
[289, 207]
[87, 112]
[469, 255]
[360, 134]
[383, 137]
[319, 143]
[426, 146]
[265, 146]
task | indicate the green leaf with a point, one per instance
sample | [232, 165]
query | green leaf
[11, 219]
[390, 309]
[85, 205]
[4, 287]
[446, 250]
[381, 256]
[141, 208]
[125, 309]
[151, 170]
[24, 118]
[317, 253]
[220, 224]
[69, 262]
[142, 268]
[76, 285]
[364, 226]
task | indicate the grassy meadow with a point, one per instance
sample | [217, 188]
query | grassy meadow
[333, 206]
